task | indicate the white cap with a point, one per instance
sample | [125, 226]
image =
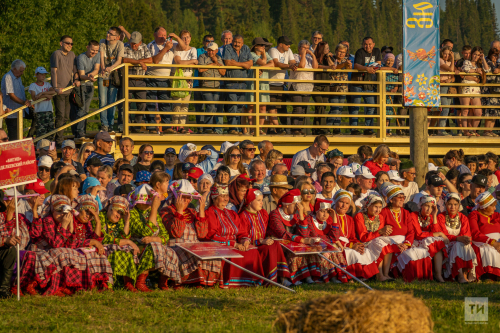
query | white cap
[345, 171]
[45, 161]
[394, 175]
[355, 166]
[432, 167]
[43, 144]
[41, 70]
[226, 145]
[365, 172]
[213, 46]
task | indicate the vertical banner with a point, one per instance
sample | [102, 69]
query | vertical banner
[17, 163]
[421, 85]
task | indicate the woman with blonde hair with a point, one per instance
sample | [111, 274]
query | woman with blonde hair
[85, 151]
[308, 195]
[273, 157]
[378, 161]
[186, 55]
[232, 159]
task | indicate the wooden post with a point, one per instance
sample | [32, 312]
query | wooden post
[419, 150]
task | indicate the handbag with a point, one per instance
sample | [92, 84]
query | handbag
[115, 77]
[179, 84]
[76, 97]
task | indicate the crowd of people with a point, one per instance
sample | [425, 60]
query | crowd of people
[93, 222]
[104, 56]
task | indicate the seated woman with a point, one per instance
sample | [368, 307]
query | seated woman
[426, 237]
[149, 233]
[225, 227]
[52, 265]
[185, 225]
[485, 228]
[237, 191]
[256, 220]
[121, 251]
[403, 235]
[319, 226]
[361, 262]
[288, 222]
[370, 226]
[461, 260]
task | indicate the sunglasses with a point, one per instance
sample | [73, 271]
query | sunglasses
[235, 156]
[192, 180]
[109, 33]
[88, 151]
[481, 164]
[468, 181]
[4, 139]
[250, 149]
[310, 191]
[68, 43]
[208, 41]
[44, 169]
[149, 152]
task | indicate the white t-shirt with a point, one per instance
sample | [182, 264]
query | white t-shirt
[190, 54]
[45, 105]
[364, 195]
[168, 58]
[283, 58]
[321, 196]
[410, 191]
[304, 155]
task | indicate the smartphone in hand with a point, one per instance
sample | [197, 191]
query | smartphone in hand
[52, 145]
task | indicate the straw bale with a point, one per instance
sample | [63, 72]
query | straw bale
[361, 311]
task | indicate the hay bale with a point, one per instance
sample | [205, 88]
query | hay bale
[361, 311]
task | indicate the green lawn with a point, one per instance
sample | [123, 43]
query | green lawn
[214, 310]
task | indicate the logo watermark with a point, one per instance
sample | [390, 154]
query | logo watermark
[476, 310]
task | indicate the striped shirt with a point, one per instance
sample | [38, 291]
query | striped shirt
[105, 159]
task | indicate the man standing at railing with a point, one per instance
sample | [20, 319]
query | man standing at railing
[367, 58]
[13, 95]
[63, 74]
[137, 53]
[237, 54]
[162, 52]
[88, 65]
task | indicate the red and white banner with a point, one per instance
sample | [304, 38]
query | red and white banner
[17, 163]
[209, 250]
[300, 249]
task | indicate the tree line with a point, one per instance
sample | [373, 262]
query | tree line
[30, 29]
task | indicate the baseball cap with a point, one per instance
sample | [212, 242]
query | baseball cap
[123, 190]
[298, 170]
[41, 70]
[187, 166]
[307, 166]
[285, 40]
[213, 46]
[394, 175]
[45, 161]
[435, 180]
[345, 171]
[170, 150]
[43, 144]
[195, 173]
[38, 187]
[432, 167]
[68, 143]
[480, 180]
[94, 161]
[142, 176]
[365, 172]
[209, 147]
[355, 166]
[102, 135]
[135, 38]
[127, 167]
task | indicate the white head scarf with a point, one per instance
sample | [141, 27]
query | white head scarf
[185, 151]
[205, 176]
[226, 145]
[425, 199]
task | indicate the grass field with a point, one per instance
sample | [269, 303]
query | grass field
[215, 310]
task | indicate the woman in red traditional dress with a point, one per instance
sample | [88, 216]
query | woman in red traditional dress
[462, 259]
[360, 261]
[287, 222]
[378, 161]
[185, 225]
[370, 229]
[256, 220]
[429, 238]
[225, 227]
[485, 228]
[53, 265]
[237, 191]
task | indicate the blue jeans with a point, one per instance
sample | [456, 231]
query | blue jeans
[445, 111]
[79, 128]
[357, 100]
[335, 109]
[158, 95]
[235, 108]
[107, 95]
[212, 96]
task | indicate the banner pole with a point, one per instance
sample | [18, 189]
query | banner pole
[257, 275]
[18, 270]
[343, 270]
